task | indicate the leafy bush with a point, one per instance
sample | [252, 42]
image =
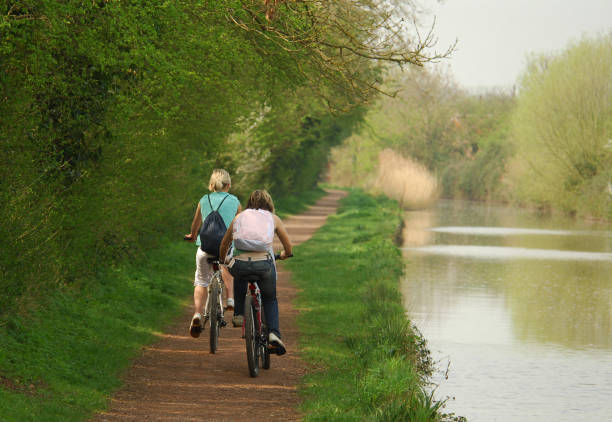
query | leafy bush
[480, 178]
[561, 127]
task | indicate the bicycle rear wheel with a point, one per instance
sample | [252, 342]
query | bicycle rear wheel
[213, 314]
[250, 335]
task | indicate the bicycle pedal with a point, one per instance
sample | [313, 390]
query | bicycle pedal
[223, 323]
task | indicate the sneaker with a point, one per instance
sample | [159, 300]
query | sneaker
[237, 320]
[230, 304]
[196, 325]
[276, 345]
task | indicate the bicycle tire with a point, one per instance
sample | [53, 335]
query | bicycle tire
[250, 336]
[213, 315]
[265, 355]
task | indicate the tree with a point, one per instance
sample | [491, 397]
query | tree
[344, 43]
[561, 126]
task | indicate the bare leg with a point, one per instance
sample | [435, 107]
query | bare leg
[199, 298]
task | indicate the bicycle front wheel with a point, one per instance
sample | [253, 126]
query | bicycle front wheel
[250, 335]
[214, 315]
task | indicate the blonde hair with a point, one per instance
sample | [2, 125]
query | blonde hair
[261, 199]
[219, 179]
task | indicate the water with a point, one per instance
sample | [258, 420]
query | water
[517, 310]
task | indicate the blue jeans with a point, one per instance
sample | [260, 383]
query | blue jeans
[264, 272]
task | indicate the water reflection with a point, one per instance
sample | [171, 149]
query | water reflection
[416, 228]
[513, 231]
[519, 304]
[496, 231]
[497, 252]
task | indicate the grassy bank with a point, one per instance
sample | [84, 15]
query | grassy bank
[367, 362]
[62, 359]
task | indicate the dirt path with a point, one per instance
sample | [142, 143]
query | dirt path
[177, 379]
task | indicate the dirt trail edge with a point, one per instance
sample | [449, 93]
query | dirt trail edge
[177, 379]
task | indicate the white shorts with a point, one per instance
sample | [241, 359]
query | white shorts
[204, 270]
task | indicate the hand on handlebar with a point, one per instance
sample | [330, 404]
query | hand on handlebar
[282, 255]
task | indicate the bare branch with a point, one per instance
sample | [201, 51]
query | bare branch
[345, 41]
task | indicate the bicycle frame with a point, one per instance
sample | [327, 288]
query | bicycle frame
[214, 300]
[214, 279]
[253, 290]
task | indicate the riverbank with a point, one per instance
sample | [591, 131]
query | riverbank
[62, 360]
[366, 361]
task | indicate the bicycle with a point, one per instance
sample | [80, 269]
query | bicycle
[214, 304]
[254, 329]
[213, 309]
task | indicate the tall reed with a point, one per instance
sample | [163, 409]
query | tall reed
[405, 180]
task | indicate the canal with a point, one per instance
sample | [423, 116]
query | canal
[516, 308]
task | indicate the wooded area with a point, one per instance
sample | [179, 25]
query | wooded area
[114, 113]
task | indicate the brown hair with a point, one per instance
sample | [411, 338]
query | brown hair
[261, 199]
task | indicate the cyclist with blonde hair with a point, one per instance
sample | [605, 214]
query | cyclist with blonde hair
[252, 232]
[228, 206]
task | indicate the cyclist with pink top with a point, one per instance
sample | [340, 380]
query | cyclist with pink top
[252, 232]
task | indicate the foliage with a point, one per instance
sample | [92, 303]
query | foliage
[459, 137]
[338, 41]
[369, 362]
[479, 178]
[115, 113]
[561, 126]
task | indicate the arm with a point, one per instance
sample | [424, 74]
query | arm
[195, 225]
[226, 242]
[283, 236]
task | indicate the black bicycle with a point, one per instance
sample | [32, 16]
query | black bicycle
[255, 331]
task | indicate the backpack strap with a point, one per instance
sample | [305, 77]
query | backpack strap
[210, 203]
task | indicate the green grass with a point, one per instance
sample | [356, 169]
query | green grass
[61, 361]
[367, 363]
[65, 357]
